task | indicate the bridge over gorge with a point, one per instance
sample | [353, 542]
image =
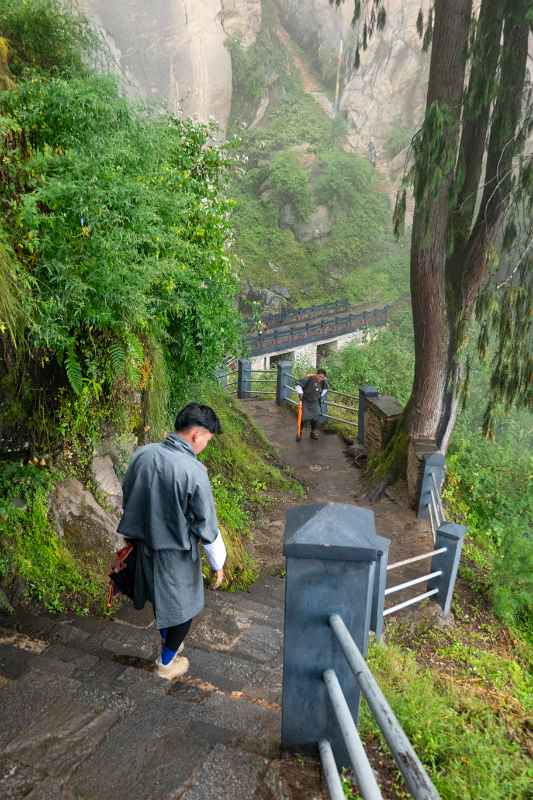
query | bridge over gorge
[311, 333]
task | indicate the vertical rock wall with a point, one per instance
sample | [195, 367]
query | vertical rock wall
[173, 51]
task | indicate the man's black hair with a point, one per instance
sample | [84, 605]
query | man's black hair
[322, 372]
[196, 414]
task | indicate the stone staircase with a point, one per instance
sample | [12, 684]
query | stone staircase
[83, 716]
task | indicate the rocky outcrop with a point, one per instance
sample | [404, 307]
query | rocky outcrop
[317, 226]
[388, 90]
[106, 480]
[242, 18]
[319, 28]
[89, 530]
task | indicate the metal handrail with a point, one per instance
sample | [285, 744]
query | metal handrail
[410, 602]
[331, 773]
[344, 394]
[365, 777]
[344, 421]
[432, 522]
[438, 495]
[412, 560]
[439, 517]
[415, 776]
[407, 584]
[339, 405]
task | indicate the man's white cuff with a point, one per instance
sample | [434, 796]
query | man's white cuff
[216, 553]
[299, 391]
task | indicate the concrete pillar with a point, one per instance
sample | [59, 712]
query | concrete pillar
[364, 392]
[244, 380]
[283, 382]
[331, 551]
[451, 536]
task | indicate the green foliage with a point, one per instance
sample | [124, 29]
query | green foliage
[397, 139]
[10, 309]
[290, 184]
[295, 157]
[488, 482]
[488, 487]
[458, 737]
[254, 69]
[385, 361]
[120, 225]
[30, 548]
[42, 37]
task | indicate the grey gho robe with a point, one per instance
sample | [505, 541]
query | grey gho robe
[312, 398]
[168, 510]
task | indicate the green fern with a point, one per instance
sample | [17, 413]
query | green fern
[117, 359]
[73, 370]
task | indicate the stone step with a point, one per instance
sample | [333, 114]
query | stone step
[244, 604]
[225, 775]
[137, 738]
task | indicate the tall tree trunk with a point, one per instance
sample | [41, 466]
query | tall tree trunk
[434, 319]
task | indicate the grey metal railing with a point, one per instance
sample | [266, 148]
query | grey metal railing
[416, 778]
[332, 555]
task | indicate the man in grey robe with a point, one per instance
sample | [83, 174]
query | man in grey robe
[168, 510]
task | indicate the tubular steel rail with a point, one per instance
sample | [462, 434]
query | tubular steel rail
[353, 423]
[416, 778]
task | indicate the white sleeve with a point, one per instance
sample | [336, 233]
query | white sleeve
[216, 552]
[299, 390]
[323, 393]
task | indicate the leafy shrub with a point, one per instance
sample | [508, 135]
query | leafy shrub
[43, 37]
[120, 225]
[290, 184]
[397, 139]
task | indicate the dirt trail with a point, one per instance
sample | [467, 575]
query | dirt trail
[310, 82]
[331, 476]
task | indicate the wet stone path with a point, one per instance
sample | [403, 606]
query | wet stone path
[83, 716]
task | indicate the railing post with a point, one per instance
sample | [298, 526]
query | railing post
[331, 551]
[451, 536]
[364, 392]
[378, 598]
[433, 464]
[284, 378]
[244, 378]
[221, 377]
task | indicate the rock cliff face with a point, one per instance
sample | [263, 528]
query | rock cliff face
[388, 90]
[173, 51]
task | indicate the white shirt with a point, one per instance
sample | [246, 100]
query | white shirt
[216, 553]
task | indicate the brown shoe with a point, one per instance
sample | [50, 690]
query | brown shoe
[314, 435]
[176, 669]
